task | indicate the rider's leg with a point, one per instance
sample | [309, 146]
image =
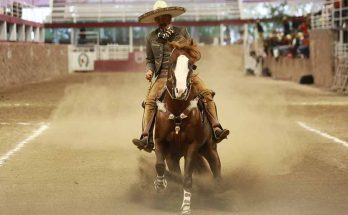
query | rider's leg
[210, 107]
[146, 141]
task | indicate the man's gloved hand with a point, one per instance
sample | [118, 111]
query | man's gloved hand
[149, 75]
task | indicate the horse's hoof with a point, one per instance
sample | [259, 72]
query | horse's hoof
[160, 185]
[185, 209]
[185, 212]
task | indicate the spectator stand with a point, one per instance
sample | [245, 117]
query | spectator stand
[284, 56]
[13, 27]
[334, 16]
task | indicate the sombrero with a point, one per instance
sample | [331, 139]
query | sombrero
[160, 8]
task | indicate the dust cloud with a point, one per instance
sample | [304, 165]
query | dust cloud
[98, 113]
[264, 139]
[104, 114]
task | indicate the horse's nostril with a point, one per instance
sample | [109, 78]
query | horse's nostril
[177, 90]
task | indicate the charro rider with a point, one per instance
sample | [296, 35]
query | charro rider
[157, 64]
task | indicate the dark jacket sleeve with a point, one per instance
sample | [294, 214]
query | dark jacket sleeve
[150, 59]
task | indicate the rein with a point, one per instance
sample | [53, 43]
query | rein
[170, 88]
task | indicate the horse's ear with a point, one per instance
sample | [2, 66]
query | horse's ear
[191, 42]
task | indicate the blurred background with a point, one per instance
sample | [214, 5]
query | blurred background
[213, 15]
[72, 81]
[105, 33]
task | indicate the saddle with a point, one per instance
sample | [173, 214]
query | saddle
[200, 104]
[177, 120]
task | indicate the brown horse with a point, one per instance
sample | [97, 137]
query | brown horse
[181, 130]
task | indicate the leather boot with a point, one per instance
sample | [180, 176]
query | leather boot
[146, 140]
[219, 133]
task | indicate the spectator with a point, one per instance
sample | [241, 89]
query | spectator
[227, 36]
[286, 26]
[303, 28]
[303, 49]
[259, 28]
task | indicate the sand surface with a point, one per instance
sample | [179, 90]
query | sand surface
[85, 163]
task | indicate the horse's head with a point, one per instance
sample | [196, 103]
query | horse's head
[183, 58]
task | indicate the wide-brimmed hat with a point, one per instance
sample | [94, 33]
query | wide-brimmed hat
[160, 8]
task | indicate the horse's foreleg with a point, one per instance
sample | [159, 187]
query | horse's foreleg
[174, 168]
[200, 165]
[213, 159]
[160, 182]
[186, 204]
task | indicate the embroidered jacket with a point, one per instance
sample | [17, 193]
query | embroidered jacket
[158, 50]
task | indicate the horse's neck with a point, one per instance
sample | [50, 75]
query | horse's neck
[175, 106]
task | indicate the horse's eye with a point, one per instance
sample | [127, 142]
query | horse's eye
[192, 66]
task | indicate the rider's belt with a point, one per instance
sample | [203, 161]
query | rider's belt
[165, 66]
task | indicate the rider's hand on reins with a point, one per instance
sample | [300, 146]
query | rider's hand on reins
[149, 75]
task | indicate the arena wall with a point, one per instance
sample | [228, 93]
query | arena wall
[134, 63]
[288, 68]
[24, 63]
[322, 57]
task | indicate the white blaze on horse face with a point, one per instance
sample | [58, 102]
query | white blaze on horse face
[181, 71]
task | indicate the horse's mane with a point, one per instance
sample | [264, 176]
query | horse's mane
[189, 46]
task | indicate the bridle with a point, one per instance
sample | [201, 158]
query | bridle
[170, 88]
[171, 79]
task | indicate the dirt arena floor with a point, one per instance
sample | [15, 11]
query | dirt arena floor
[65, 147]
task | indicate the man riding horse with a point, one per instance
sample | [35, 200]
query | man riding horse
[158, 54]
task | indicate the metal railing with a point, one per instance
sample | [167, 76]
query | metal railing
[340, 82]
[341, 50]
[323, 19]
[25, 3]
[15, 7]
[89, 40]
[334, 16]
[113, 52]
